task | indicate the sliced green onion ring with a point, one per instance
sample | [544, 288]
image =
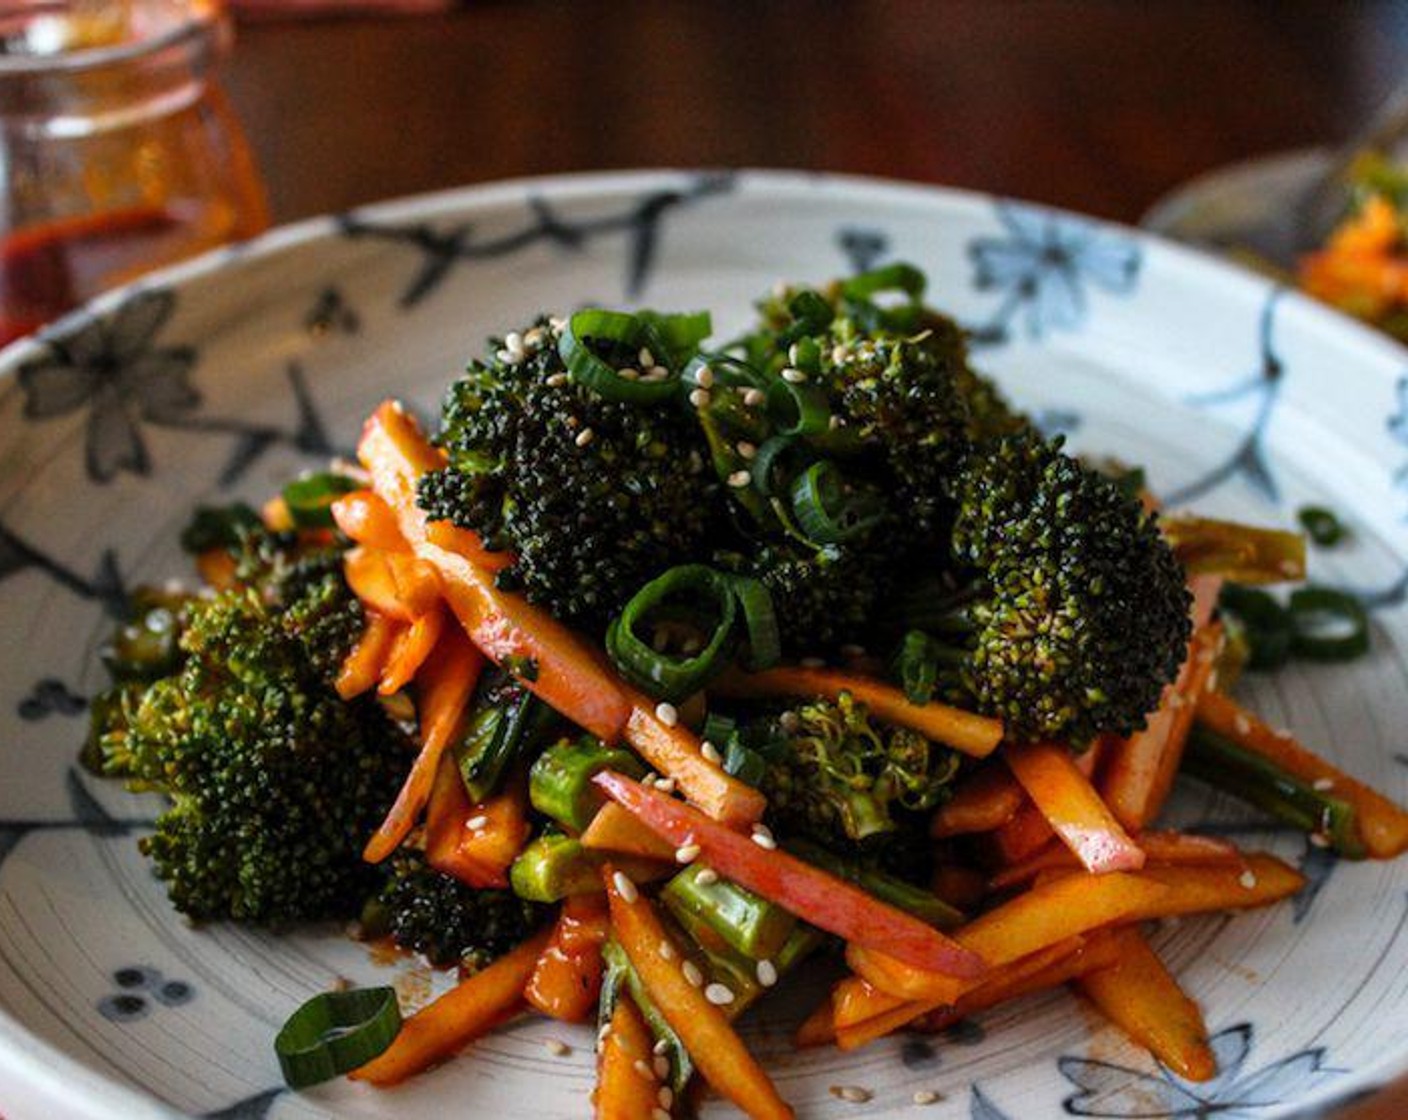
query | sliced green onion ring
[309, 499]
[829, 509]
[718, 728]
[676, 336]
[336, 1032]
[811, 315]
[778, 461]
[897, 277]
[760, 619]
[586, 367]
[797, 408]
[1328, 625]
[1268, 626]
[664, 675]
[1321, 525]
[727, 369]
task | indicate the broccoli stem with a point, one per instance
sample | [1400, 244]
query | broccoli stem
[735, 917]
[924, 905]
[1221, 763]
[560, 783]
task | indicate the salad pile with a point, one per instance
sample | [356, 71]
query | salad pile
[662, 667]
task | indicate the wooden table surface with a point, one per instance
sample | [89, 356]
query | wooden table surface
[1100, 106]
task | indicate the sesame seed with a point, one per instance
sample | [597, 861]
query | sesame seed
[474, 824]
[763, 838]
[1175, 700]
[692, 974]
[647, 359]
[509, 357]
[555, 380]
[534, 338]
[705, 376]
[667, 713]
[753, 397]
[584, 437]
[794, 376]
[661, 1047]
[1242, 724]
[658, 373]
[624, 887]
[927, 1096]
[513, 340]
[789, 722]
[1322, 784]
[710, 752]
[1284, 733]
[838, 354]
[740, 479]
[1319, 840]
[666, 785]
[835, 423]
[766, 973]
[557, 323]
[666, 1096]
[792, 353]
[852, 1093]
[1212, 681]
[687, 854]
[642, 1067]
[719, 994]
[628, 374]
[700, 398]
[745, 449]
[707, 877]
[1248, 879]
[666, 951]
[852, 650]
[557, 1048]
[659, 1114]
[662, 1066]
[603, 1033]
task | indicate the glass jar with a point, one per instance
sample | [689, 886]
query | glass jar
[118, 152]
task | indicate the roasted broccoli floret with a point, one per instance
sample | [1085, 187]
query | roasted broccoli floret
[833, 771]
[275, 782]
[443, 919]
[823, 597]
[1073, 612]
[595, 497]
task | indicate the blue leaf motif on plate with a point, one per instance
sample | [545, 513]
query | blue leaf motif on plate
[111, 366]
[1043, 266]
[1114, 1092]
[863, 246]
[981, 1108]
[1398, 429]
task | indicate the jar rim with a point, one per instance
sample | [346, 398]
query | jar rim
[200, 22]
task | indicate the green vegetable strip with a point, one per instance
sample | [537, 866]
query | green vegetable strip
[1328, 625]
[495, 737]
[621, 975]
[898, 277]
[1260, 782]
[760, 619]
[553, 867]
[811, 314]
[309, 499]
[917, 667]
[672, 339]
[587, 368]
[798, 408]
[335, 1032]
[924, 905]
[704, 593]
[829, 510]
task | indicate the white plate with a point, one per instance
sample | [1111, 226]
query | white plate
[219, 379]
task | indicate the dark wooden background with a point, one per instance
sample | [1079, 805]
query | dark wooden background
[1098, 105]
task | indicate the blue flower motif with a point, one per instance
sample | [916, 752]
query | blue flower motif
[112, 367]
[1043, 267]
[1114, 1092]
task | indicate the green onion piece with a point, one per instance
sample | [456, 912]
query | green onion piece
[805, 355]
[673, 339]
[727, 369]
[829, 509]
[898, 277]
[744, 763]
[798, 408]
[1328, 625]
[778, 461]
[219, 527]
[335, 1033]
[760, 619]
[595, 326]
[718, 728]
[309, 499]
[694, 592]
[1321, 525]
[917, 667]
[811, 315]
[560, 782]
[1267, 625]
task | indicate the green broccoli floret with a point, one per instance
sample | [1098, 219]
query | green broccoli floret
[1074, 612]
[595, 497]
[443, 919]
[833, 771]
[823, 598]
[275, 782]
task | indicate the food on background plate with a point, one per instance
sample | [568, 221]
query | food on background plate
[661, 668]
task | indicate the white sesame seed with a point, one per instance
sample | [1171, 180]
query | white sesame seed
[852, 1093]
[557, 1048]
[692, 974]
[666, 951]
[794, 376]
[513, 340]
[1242, 724]
[509, 357]
[642, 1067]
[666, 1096]
[628, 374]
[753, 397]
[659, 1114]
[707, 877]
[764, 840]
[792, 353]
[687, 854]
[603, 1033]
[746, 450]
[557, 323]
[927, 1096]
[835, 423]
[658, 373]
[624, 887]
[584, 437]
[838, 354]
[474, 824]
[740, 479]
[1175, 700]
[1290, 568]
[647, 359]
[556, 380]
[1212, 681]
[1248, 879]
[705, 376]
[661, 1047]
[789, 722]
[719, 995]
[662, 1066]
[666, 785]
[1284, 733]
[667, 713]
[710, 752]
[766, 973]
[1322, 784]
[1319, 840]
[534, 338]
[700, 398]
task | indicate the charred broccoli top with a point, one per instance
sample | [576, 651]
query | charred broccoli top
[595, 497]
